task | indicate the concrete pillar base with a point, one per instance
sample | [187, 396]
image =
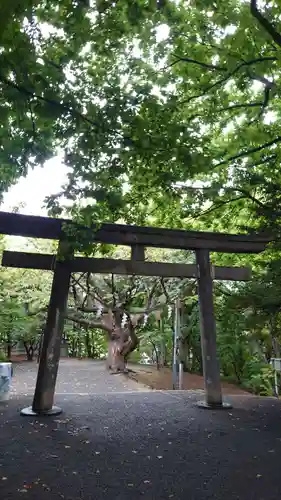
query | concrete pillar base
[214, 406]
[29, 412]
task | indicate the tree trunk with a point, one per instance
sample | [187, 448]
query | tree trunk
[157, 360]
[115, 358]
[162, 354]
[122, 342]
[90, 346]
[184, 354]
[9, 345]
[275, 346]
[29, 349]
[9, 350]
[29, 355]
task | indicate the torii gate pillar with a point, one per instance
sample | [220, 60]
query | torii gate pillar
[50, 352]
[211, 368]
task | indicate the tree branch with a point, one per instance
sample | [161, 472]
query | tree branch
[88, 323]
[95, 295]
[113, 288]
[250, 151]
[212, 67]
[230, 108]
[229, 75]
[52, 102]
[162, 281]
[129, 292]
[216, 206]
[249, 196]
[268, 27]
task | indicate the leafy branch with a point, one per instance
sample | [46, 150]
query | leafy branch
[269, 28]
[249, 151]
[199, 63]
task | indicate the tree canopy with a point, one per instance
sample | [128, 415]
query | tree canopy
[175, 99]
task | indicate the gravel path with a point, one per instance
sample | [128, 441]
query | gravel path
[137, 445]
[75, 377]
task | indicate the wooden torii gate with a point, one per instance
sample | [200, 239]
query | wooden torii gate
[138, 238]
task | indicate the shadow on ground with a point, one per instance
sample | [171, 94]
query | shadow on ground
[151, 445]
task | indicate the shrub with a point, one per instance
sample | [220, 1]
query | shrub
[3, 357]
[258, 377]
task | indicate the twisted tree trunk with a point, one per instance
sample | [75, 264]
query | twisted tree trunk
[122, 341]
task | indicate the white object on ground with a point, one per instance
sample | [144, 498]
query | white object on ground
[5, 380]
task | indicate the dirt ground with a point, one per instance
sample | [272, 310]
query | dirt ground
[162, 379]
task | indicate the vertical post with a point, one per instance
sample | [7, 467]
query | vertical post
[211, 368]
[181, 376]
[50, 349]
[137, 252]
[276, 384]
[175, 348]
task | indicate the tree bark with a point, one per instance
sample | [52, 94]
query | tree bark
[122, 342]
[9, 350]
[115, 359]
[275, 346]
[184, 353]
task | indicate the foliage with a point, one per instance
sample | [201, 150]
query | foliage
[177, 100]
[249, 329]
[193, 124]
[3, 357]
[258, 377]
[39, 43]
[12, 324]
[23, 300]
[83, 342]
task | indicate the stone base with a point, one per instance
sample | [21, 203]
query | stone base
[214, 406]
[28, 412]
